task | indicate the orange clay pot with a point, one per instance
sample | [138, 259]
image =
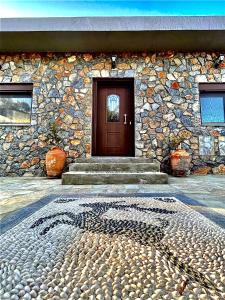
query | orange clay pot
[180, 162]
[55, 161]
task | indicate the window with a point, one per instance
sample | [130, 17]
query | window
[15, 104]
[113, 103]
[212, 101]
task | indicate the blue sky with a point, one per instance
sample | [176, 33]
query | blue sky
[59, 8]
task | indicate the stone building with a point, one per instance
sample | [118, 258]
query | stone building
[168, 77]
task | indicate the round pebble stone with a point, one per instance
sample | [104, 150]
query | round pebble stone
[14, 297]
[6, 295]
[33, 294]
[27, 296]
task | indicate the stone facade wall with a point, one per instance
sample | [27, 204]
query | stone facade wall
[166, 102]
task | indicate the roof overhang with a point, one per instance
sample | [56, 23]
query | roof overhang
[108, 34]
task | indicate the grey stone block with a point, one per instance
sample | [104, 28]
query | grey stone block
[86, 178]
[115, 167]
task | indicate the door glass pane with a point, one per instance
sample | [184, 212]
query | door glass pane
[113, 104]
[212, 109]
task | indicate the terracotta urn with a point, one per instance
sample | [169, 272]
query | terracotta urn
[180, 162]
[55, 161]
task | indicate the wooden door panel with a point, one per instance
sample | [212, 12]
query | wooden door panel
[113, 136]
[113, 139]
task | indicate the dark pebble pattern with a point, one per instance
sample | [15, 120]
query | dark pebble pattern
[145, 234]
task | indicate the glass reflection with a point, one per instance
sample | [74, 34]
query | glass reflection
[212, 109]
[15, 108]
[113, 104]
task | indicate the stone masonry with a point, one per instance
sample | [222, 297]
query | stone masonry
[166, 102]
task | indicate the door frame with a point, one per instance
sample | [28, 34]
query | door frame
[96, 81]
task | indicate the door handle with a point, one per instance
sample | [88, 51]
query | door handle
[125, 119]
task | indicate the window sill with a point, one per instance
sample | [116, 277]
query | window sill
[16, 125]
[214, 124]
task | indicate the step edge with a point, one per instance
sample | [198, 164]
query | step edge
[113, 158]
[110, 173]
[114, 163]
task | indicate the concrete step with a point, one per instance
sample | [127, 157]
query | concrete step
[80, 178]
[116, 166]
[114, 159]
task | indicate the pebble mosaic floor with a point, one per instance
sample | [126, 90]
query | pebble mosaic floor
[113, 248]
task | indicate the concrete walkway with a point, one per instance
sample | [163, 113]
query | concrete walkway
[207, 191]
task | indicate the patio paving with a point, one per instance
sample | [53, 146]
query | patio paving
[207, 191]
[113, 242]
[115, 247]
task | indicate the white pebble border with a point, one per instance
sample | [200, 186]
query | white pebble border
[72, 263]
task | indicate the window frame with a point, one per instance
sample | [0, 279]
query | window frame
[10, 88]
[207, 89]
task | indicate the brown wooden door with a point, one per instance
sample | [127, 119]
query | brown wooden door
[115, 119]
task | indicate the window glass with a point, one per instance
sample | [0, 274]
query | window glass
[212, 108]
[15, 108]
[113, 104]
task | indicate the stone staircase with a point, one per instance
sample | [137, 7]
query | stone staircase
[114, 170]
